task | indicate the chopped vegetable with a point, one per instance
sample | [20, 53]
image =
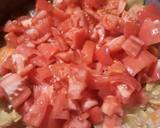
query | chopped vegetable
[82, 64]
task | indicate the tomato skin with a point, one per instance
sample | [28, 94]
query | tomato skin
[13, 26]
[130, 28]
[88, 51]
[115, 44]
[131, 47]
[150, 32]
[47, 50]
[110, 22]
[59, 110]
[37, 111]
[94, 3]
[77, 122]
[76, 37]
[95, 115]
[111, 106]
[11, 40]
[135, 65]
[150, 11]
[112, 122]
[155, 71]
[41, 75]
[21, 98]
[103, 56]
[43, 5]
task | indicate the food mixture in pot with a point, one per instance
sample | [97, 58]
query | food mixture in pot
[82, 64]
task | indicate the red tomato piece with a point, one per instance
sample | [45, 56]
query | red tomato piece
[60, 103]
[22, 96]
[130, 28]
[103, 56]
[111, 106]
[131, 47]
[94, 3]
[43, 5]
[76, 37]
[47, 50]
[95, 115]
[112, 122]
[41, 74]
[43, 25]
[115, 44]
[14, 26]
[26, 51]
[116, 67]
[135, 65]
[39, 61]
[88, 51]
[36, 112]
[77, 123]
[150, 32]
[150, 11]
[11, 40]
[155, 71]
[110, 22]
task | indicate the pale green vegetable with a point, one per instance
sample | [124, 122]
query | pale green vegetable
[6, 119]
[132, 121]
[15, 116]
[149, 87]
[130, 3]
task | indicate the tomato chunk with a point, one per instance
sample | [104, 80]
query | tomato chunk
[150, 32]
[135, 65]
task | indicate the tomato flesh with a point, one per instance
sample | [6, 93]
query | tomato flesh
[79, 63]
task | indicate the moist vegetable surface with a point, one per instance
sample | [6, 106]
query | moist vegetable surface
[82, 64]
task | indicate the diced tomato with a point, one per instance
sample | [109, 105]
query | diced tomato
[41, 74]
[26, 51]
[155, 71]
[36, 112]
[88, 100]
[43, 5]
[131, 47]
[77, 123]
[22, 96]
[150, 32]
[11, 40]
[150, 11]
[135, 65]
[115, 44]
[112, 106]
[39, 61]
[59, 14]
[13, 26]
[2, 94]
[88, 51]
[94, 3]
[60, 103]
[112, 122]
[130, 28]
[125, 78]
[65, 25]
[76, 88]
[15, 89]
[47, 50]
[103, 56]
[116, 67]
[76, 37]
[43, 25]
[95, 115]
[110, 22]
